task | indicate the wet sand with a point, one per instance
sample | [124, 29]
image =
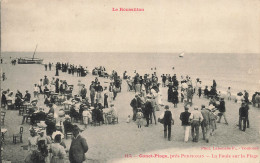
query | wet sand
[111, 143]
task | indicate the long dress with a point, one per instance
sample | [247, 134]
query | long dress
[58, 153]
[170, 94]
[32, 146]
[175, 98]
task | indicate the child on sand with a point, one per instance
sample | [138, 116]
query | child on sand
[86, 116]
[139, 116]
[229, 93]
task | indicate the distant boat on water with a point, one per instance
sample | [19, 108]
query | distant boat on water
[181, 55]
[26, 60]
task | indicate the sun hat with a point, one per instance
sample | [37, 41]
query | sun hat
[50, 115]
[210, 107]
[196, 107]
[42, 124]
[57, 133]
[40, 131]
[67, 116]
[34, 100]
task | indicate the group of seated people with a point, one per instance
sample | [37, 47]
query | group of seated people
[14, 101]
[98, 114]
[100, 71]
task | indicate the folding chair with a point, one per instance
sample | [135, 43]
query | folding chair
[19, 135]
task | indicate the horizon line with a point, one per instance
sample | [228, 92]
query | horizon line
[132, 52]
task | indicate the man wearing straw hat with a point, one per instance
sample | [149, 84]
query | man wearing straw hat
[196, 119]
[78, 147]
[205, 123]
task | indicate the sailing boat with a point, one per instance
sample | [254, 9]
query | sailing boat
[32, 60]
[181, 55]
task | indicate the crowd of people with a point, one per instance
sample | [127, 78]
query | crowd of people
[94, 105]
[71, 69]
[58, 94]
[145, 104]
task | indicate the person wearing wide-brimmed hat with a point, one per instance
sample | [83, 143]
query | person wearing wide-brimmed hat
[196, 118]
[92, 92]
[167, 122]
[27, 96]
[43, 137]
[222, 110]
[45, 80]
[135, 103]
[154, 106]
[148, 109]
[185, 122]
[32, 140]
[139, 117]
[57, 150]
[243, 115]
[99, 89]
[78, 147]
[83, 92]
[86, 116]
[213, 118]
[205, 124]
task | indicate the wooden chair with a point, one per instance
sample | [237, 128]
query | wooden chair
[3, 117]
[67, 133]
[22, 109]
[26, 115]
[67, 108]
[19, 135]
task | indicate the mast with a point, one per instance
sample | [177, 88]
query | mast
[35, 51]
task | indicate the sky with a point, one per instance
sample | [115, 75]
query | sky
[171, 26]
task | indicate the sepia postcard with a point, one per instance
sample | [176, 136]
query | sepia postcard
[130, 81]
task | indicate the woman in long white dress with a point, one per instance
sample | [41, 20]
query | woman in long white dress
[159, 98]
[32, 145]
[57, 150]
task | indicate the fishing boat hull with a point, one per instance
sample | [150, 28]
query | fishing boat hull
[30, 61]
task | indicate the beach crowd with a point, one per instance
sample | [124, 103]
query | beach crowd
[68, 106]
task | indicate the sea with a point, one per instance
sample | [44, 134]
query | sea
[238, 71]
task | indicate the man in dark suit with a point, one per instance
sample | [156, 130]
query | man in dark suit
[27, 96]
[148, 109]
[78, 147]
[135, 103]
[168, 121]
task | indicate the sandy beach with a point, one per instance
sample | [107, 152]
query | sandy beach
[116, 143]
